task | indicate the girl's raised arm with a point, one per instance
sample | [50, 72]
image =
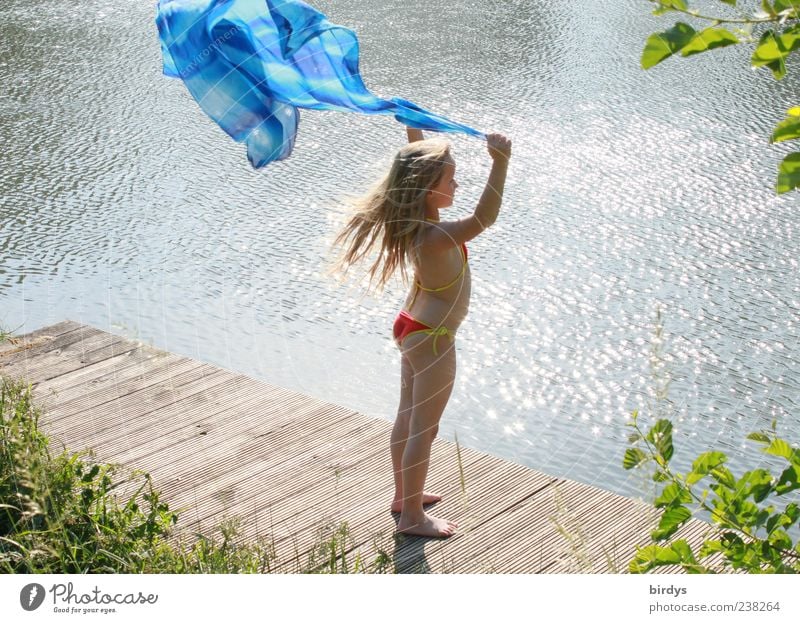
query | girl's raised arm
[414, 135]
[489, 204]
[453, 233]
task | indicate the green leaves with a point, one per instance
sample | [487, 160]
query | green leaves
[705, 464]
[686, 40]
[709, 39]
[664, 44]
[672, 495]
[791, 6]
[779, 447]
[789, 173]
[670, 5]
[661, 437]
[774, 445]
[787, 129]
[789, 480]
[751, 535]
[671, 520]
[773, 48]
[633, 458]
[678, 553]
[756, 483]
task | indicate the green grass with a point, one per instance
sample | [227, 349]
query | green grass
[67, 513]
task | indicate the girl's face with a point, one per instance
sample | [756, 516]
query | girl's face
[440, 195]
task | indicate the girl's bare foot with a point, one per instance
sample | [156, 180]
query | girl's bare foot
[427, 498]
[429, 526]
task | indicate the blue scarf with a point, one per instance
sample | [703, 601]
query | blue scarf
[250, 64]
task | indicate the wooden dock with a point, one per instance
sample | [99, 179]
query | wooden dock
[220, 444]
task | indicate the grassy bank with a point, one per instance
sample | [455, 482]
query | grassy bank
[65, 513]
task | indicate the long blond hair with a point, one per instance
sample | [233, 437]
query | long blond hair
[392, 213]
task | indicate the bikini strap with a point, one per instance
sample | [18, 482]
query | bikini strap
[463, 250]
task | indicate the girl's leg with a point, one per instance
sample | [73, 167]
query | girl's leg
[433, 382]
[400, 429]
[400, 436]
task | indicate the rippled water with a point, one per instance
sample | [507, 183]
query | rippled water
[630, 192]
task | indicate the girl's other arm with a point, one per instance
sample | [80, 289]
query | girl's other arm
[489, 204]
[414, 135]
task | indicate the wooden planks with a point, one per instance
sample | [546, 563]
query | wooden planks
[219, 444]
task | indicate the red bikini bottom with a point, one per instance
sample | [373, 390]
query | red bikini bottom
[405, 325]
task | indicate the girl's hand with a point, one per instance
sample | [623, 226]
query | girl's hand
[499, 146]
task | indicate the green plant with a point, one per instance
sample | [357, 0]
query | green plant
[750, 535]
[772, 47]
[226, 555]
[332, 553]
[569, 527]
[60, 514]
[68, 514]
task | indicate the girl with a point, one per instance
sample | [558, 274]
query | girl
[401, 215]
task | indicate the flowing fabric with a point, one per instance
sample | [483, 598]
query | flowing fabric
[250, 64]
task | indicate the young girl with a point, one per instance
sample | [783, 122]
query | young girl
[401, 215]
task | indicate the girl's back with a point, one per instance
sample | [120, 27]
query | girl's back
[442, 285]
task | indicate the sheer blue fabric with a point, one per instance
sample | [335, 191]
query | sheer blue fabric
[250, 64]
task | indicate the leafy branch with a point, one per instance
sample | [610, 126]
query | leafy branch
[780, 10]
[749, 535]
[771, 51]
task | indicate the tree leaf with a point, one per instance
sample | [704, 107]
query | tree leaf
[703, 464]
[789, 173]
[786, 130]
[647, 558]
[773, 49]
[709, 546]
[769, 54]
[789, 480]
[757, 483]
[684, 551]
[633, 458]
[673, 493]
[780, 447]
[784, 519]
[787, 5]
[671, 520]
[760, 437]
[723, 476]
[662, 45]
[661, 437]
[709, 39]
[669, 5]
[780, 539]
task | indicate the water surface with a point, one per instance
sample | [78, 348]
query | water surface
[630, 192]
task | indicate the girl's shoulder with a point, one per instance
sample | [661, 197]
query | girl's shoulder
[441, 236]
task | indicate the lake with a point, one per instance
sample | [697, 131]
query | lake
[632, 196]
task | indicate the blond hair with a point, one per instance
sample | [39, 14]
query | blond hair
[392, 213]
